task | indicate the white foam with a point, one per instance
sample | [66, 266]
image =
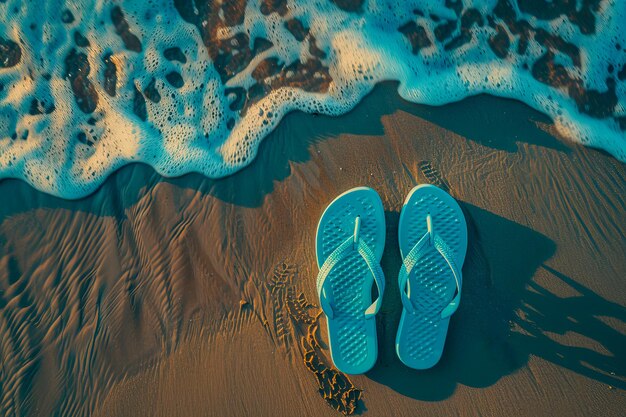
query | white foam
[187, 130]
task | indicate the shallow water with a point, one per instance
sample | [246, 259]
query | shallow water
[193, 86]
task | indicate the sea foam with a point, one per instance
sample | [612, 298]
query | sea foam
[189, 85]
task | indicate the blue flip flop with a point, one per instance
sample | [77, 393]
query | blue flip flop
[349, 245]
[433, 241]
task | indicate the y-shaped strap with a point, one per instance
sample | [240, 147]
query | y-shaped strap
[411, 259]
[351, 244]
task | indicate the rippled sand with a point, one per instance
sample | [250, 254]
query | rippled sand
[190, 296]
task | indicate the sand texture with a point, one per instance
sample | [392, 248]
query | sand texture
[196, 297]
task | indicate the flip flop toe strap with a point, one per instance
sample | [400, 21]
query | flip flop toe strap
[347, 248]
[418, 251]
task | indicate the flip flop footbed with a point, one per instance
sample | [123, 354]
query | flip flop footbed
[431, 284]
[352, 337]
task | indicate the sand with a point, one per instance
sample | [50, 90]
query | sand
[196, 297]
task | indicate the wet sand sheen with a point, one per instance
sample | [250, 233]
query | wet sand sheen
[191, 296]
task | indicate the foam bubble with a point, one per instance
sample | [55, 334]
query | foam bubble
[186, 86]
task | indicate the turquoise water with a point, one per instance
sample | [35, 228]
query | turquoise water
[194, 86]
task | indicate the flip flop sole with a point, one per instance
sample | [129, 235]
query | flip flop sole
[352, 337]
[421, 337]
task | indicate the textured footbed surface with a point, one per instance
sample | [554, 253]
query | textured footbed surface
[421, 336]
[352, 338]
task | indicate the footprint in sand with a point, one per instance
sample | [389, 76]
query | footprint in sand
[433, 175]
[293, 315]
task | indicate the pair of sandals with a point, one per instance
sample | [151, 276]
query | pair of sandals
[349, 245]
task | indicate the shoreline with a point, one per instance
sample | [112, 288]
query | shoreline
[392, 88]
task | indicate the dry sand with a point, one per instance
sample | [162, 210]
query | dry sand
[195, 297]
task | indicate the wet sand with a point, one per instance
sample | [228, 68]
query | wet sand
[191, 296]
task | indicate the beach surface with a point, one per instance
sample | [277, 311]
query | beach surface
[196, 297]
